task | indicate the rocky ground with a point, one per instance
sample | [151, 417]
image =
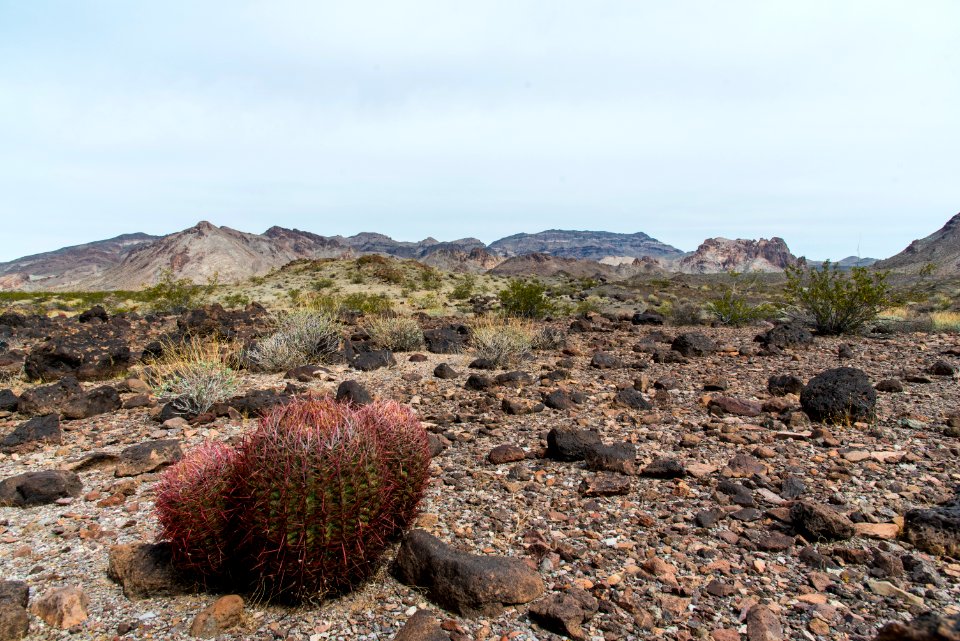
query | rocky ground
[658, 488]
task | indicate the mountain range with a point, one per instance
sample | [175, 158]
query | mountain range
[206, 251]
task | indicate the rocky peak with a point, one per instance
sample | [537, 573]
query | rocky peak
[716, 255]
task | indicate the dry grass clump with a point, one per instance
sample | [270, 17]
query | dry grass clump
[504, 341]
[302, 337]
[194, 374]
[946, 321]
[396, 333]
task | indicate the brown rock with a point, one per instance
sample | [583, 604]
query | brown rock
[422, 626]
[605, 485]
[820, 521]
[467, 584]
[763, 625]
[506, 453]
[147, 457]
[219, 616]
[736, 406]
[14, 621]
[62, 607]
[144, 570]
[565, 613]
[929, 626]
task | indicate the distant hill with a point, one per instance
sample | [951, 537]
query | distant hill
[63, 268]
[940, 249]
[583, 245]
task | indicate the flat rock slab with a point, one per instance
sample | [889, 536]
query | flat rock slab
[605, 485]
[467, 584]
[148, 457]
[39, 488]
[37, 431]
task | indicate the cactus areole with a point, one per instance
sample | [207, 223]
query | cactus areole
[307, 503]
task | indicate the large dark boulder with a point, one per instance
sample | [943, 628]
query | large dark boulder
[571, 444]
[39, 488]
[839, 395]
[96, 312]
[467, 584]
[692, 344]
[566, 613]
[148, 457]
[647, 318]
[374, 359]
[213, 320]
[95, 402]
[353, 392]
[447, 340]
[786, 336]
[820, 522]
[633, 399]
[783, 384]
[49, 399]
[98, 353]
[145, 570]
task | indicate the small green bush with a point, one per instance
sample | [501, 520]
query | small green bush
[733, 309]
[835, 301]
[172, 294]
[367, 304]
[525, 299]
[194, 375]
[464, 287]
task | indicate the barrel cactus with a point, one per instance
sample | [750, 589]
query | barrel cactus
[194, 503]
[311, 499]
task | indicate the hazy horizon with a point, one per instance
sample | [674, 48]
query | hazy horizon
[830, 125]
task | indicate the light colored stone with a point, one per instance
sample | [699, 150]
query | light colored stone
[219, 616]
[62, 607]
[884, 531]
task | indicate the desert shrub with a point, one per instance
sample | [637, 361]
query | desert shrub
[682, 312]
[194, 374]
[390, 274]
[366, 303]
[464, 287]
[430, 278]
[837, 302]
[175, 294]
[301, 337]
[945, 321]
[732, 308]
[589, 305]
[236, 300]
[306, 505]
[525, 299]
[322, 283]
[396, 333]
[549, 338]
[504, 341]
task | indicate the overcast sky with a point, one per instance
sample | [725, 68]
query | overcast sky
[833, 124]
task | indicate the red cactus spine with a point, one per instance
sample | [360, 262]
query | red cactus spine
[193, 505]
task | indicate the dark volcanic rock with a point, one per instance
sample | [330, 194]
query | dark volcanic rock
[38, 488]
[928, 626]
[736, 406]
[840, 395]
[571, 444]
[8, 401]
[353, 392]
[506, 453]
[647, 318]
[691, 344]
[787, 335]
[96, 312]
[478, 383]
[620, 457]
[604, 360]
[784, 384]
[942, 368]
[889, 386]
[447, 340]
[97, 353]
[38, 430]
[374, 359]
[820, 521]
[561, 399]
[48, 399]
[466, 584]
[565, 613]
[214, 320]
[935, 530]
[97, 401]
[664, 468]
[633, 399]
[605, 485]
[444, 371]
